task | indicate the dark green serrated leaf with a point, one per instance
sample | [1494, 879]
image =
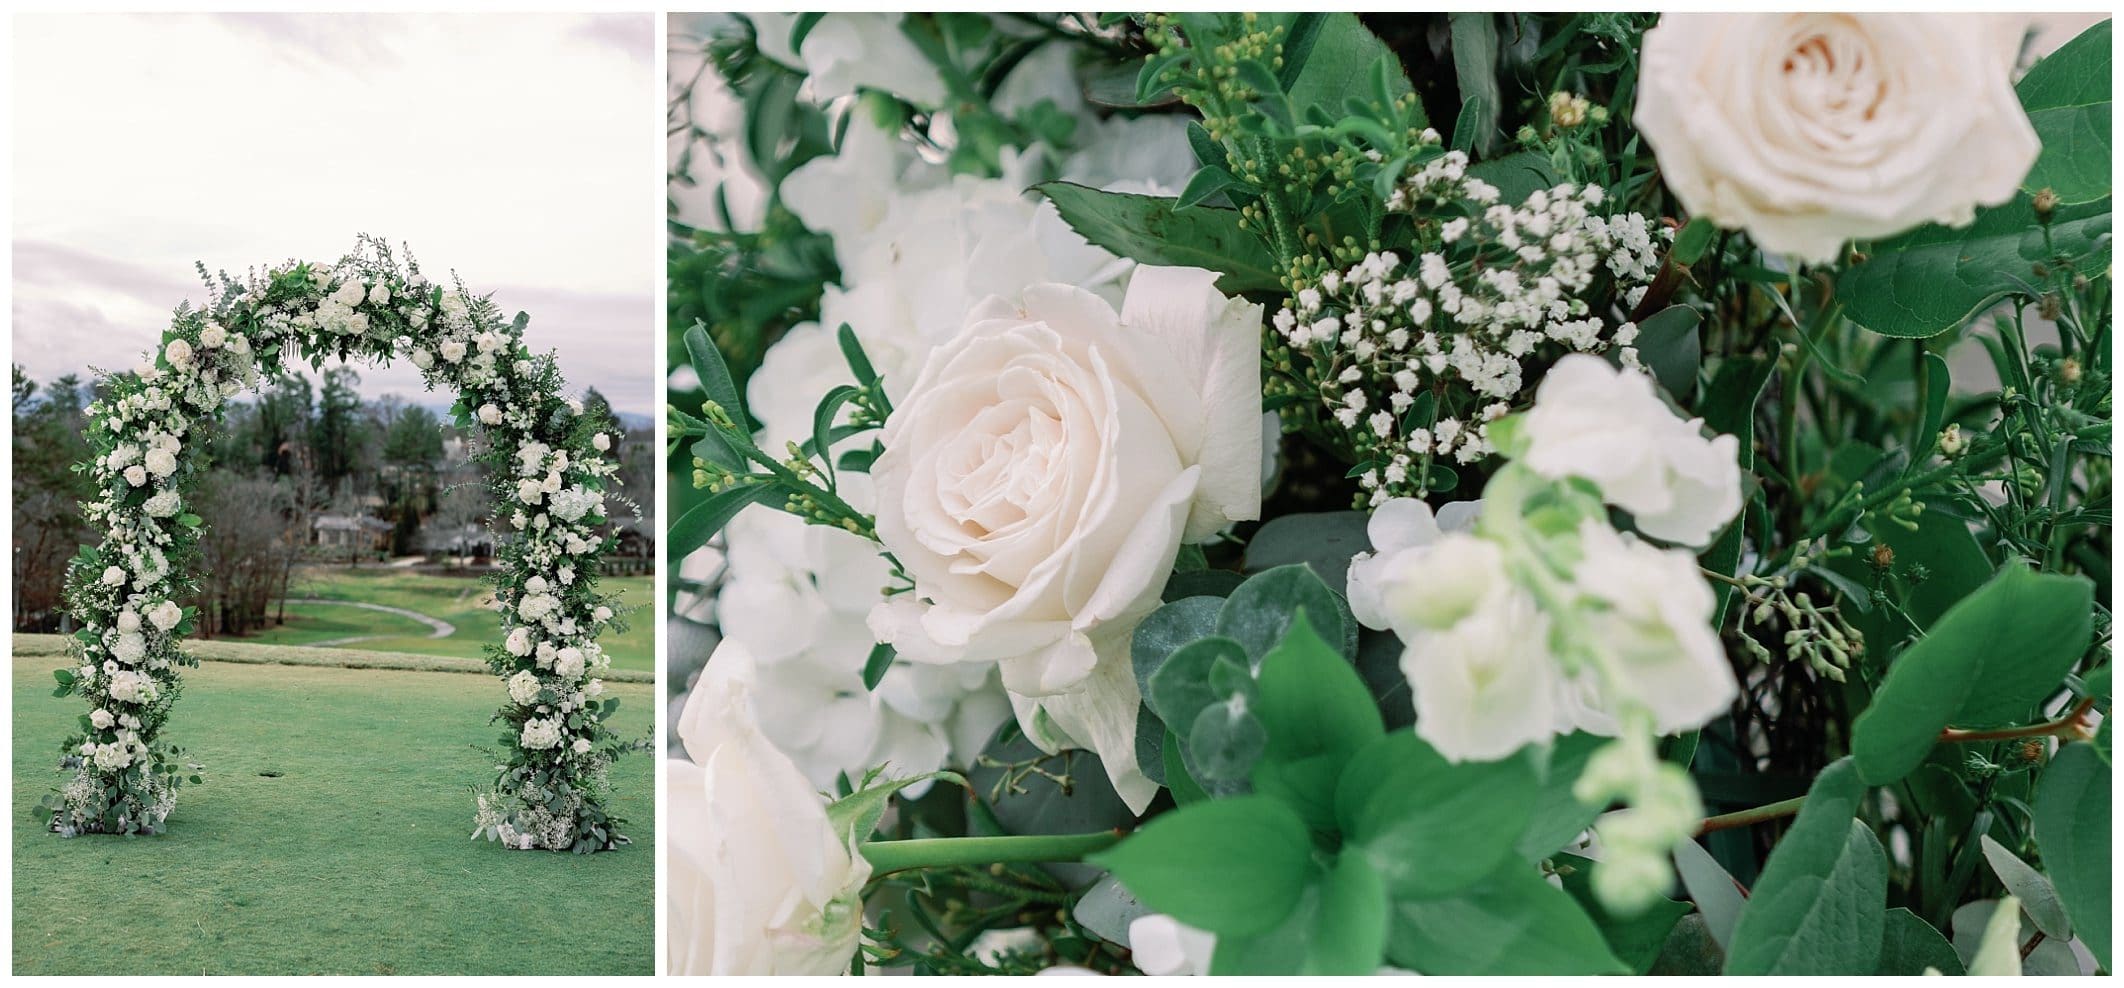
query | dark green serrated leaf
[1149, 230]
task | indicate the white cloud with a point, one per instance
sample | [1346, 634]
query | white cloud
[515, 149]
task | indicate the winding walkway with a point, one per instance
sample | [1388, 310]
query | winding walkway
[437, 628]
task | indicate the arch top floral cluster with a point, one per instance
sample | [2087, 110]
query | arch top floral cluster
[548, 469]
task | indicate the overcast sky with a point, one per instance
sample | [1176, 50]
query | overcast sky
[523, 151]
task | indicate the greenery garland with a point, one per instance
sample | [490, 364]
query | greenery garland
[549, 468]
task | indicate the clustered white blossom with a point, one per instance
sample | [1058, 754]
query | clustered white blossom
[1514, 635]
[367, 306]
[1495, 290]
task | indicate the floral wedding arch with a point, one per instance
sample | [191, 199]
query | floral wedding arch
[549, 471]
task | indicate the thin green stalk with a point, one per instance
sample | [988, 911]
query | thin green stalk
[954, 852]
[1759, 814]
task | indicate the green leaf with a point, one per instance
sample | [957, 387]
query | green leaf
[1817, 909]
[1165, 630]
[856, 815]
[1668, 341]
[1208, 181]
[1910, 945]
[2037, 895]
[1148, 229]
[1934, 278]
[1432, 827]
[1234, 867]
[2067, 98]
[1180, 689]
[700, 523]
[1728, 407]
[1350, 936]
[1998, 953]
[1311, 699]
[1323, 540]
[852, 351]
[1988, 661]
[1474, 43]
[1513, 922]
[1516, 175]
[2072, 828]
[1259, 613]
[875, 666]
[1338, 62]
[1636, 939]
[708, 365]
[1556, 815]
[1318, 713]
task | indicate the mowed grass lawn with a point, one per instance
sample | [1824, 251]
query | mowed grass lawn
[459, 600]
[354, 859]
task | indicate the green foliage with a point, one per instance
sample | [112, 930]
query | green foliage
[1818, 907]
[1513, 923]
[1154, 230]
[1256, 847]
[1910, 946]
[1986, 662]
[2073, 810]
[2066, 95]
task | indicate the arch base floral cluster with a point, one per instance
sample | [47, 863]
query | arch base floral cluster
[549, 471]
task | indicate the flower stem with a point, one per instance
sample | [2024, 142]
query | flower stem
[952, 852]
[2074, 723]
[1743, 818]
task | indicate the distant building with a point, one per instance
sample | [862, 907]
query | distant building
[463, 541]
[350, 533]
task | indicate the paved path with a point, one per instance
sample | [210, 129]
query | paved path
[436, 628]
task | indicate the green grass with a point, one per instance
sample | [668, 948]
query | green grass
[354, 860]
[456, 599]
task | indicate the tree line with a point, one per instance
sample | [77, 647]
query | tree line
[279, 461]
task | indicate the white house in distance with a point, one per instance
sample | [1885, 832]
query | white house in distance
[350, 533]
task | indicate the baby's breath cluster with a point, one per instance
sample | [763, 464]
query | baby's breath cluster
[549, 466]
[1413, 357]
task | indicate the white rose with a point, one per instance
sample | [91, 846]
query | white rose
[518, 642]
[160, 462]
[1475, 647]
[422, 358]
[601, 614]
[128, 620]
[380, 295]
[113, 576]
[102, 719]
[1810, 129]
[1041, 476]
[166, 615]
[582, 746]
[760, 881]
[1654, 618]
[601, 442]
[1607, 425]
[489, 414]
[213, 336]
[350, 293]
[528, 491]
[136, 475]
[452, 350]
[179, 353]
